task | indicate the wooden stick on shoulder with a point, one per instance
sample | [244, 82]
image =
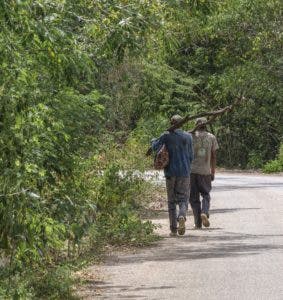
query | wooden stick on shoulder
[212, 114]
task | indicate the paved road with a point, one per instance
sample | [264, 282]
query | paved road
[239, 257]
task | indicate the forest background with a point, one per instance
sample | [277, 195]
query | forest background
[86, 84]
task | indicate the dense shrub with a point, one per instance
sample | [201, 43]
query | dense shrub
[53, 55]
[275, 165]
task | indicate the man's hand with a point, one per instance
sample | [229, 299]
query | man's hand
[212, 176]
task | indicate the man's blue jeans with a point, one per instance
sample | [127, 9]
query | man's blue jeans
[178, 193]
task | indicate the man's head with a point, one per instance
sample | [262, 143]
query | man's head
[201, 123]
[175, 119]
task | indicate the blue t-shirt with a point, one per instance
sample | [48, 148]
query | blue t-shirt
[180, 147]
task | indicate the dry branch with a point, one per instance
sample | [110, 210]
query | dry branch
[212, 114]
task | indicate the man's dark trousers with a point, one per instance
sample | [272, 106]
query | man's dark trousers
[200, 185]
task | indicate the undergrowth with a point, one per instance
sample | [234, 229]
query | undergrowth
[276, 165]
[104, 209]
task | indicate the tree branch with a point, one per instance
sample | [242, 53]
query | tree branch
[212, 114]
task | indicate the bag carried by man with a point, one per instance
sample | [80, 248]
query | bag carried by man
[161, 159]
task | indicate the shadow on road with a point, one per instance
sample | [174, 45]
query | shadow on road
[191, 247]
[229, 210]
[258, 185]
[163, 214]
[117, 291]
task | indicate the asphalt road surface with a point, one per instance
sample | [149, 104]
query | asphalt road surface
[239, 257]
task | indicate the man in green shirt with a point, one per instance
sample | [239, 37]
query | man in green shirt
[203, 172]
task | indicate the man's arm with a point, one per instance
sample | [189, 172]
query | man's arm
[213, 163]
[157, 143]
[191, 149]
[213, 157]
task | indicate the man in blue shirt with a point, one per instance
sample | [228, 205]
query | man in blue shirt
[177, 173]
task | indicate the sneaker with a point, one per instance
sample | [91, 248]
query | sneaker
[173, 233]
[182, 226]
[205, 221]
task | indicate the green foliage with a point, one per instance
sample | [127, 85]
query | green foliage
[119, 185]
[85, 85]
[54, 284]
[119, 193]
[53, 56]
[124, 227]
[48, 283]
[122, 27]
[166, 91]
[16, 287]
[254, 160]
[203, 56]
[275, 165]
[233, 48]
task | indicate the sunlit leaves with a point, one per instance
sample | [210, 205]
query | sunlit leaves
[44, 67]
